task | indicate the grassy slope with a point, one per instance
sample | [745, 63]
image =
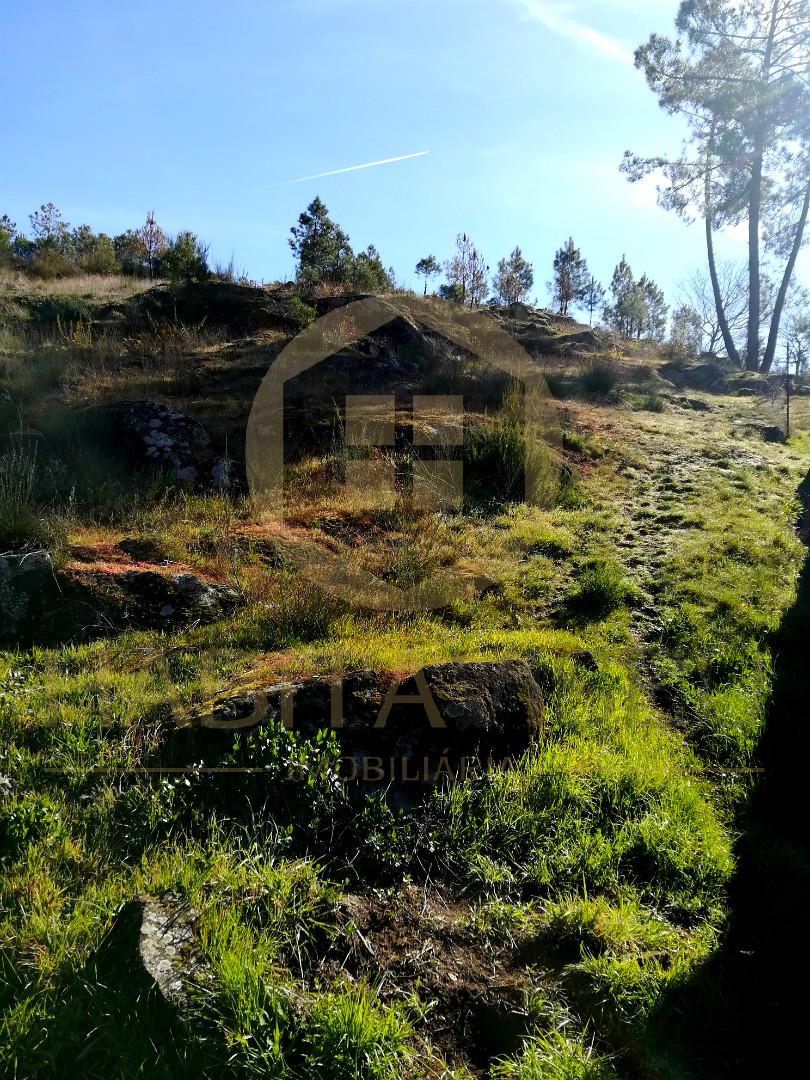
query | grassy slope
[594, 874]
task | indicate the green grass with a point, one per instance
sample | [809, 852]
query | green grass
[556, 1057]
[601, 859]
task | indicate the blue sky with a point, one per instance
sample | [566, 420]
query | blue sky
[202, 110]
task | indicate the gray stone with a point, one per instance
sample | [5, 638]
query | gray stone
[148, 598]
[770, 433]
[695, 404]
[152, 433]
[28, 591]
[168, 950]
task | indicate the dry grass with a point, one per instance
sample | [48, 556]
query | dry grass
[96, 285]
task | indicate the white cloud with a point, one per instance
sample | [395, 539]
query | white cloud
[559, 19]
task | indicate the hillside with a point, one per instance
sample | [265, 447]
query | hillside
[625, 646]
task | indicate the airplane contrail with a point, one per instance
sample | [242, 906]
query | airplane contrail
[354, 168]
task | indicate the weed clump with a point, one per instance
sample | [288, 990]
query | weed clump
[600, 376]
[653, 402]
[601, 590]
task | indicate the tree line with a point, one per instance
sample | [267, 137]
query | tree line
[637, 307]
[634, 307]
[52, 249]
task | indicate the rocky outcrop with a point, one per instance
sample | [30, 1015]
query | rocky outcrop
[35, 606]
[712, 377]
[146, 599]
[693, 404]
[445, 719]
[539, 340]
[40, 605]
[142, 550]
[770, 433]
[582, 339]
[238, 310]
[155, 435]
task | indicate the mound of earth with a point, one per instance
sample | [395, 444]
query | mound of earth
[239, 310]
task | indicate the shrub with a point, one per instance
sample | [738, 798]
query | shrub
[501, 466]
[602, 589]
[304, 313]
[20, 520]
[51, 264]
[600, 375]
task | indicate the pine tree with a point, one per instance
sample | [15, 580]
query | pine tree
[427, 268]
[654, 320]
[321, 247]
[737, 74]
[514, 279]
[151, 242]
[570, 277]
[186, 259]
[621, 312]
[49, 230]
[8, 230]
[686, 335]
[592, 297]
[366, 272]
[468, 272]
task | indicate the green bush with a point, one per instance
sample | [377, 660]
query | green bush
[186, 260]
[601, 589]
[501, 466]
[302, 312]
[51, 264]
[600, 376]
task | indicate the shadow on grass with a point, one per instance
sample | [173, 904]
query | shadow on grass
[109, 1020]
[745, 1012]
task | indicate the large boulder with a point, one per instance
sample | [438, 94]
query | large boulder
[446, 719]
[581, 339]
[40, 605]
[539, 339]
[711, 377]
[36, 606]
[237, 309]
[770, 433]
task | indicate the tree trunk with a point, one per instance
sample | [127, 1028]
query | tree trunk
[754, 214]
[725, 330]
[722, 321]
[770, 351]
[755, 207]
